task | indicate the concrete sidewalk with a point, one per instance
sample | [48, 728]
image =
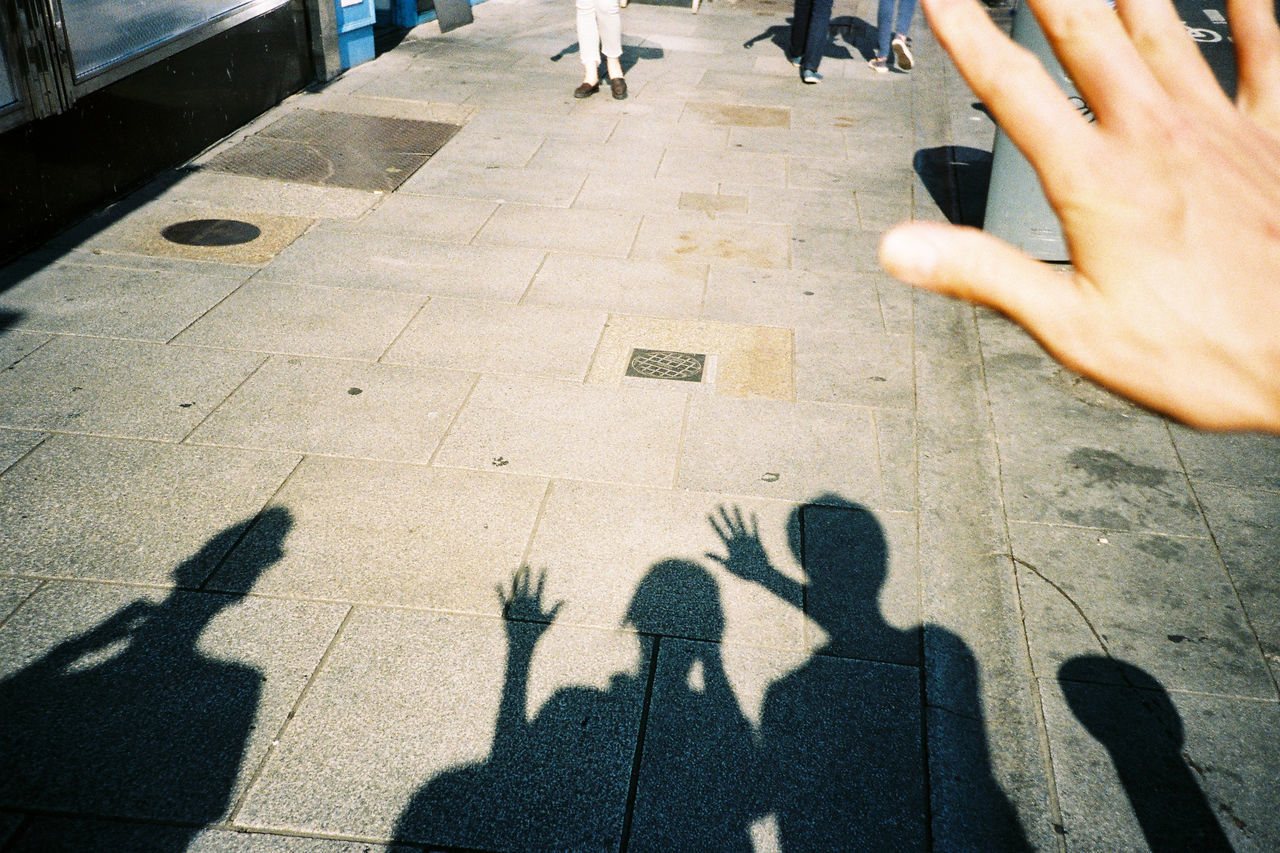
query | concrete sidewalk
[852, 568]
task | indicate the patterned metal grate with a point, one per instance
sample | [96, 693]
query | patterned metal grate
[336, 149]
[663, 364]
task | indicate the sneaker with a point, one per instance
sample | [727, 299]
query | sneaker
[880, 65]
[795, 60]
[902, 52]
[810, 76]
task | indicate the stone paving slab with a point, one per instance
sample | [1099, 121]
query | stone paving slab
[53, 835]
[781, 451]
[279, 317]
[395, 740]
[14, 591]
[696, 238]
[392, 534]
[553, 188]
[400, 264]
[560, 230]
[485, 337]
[548, 428]
[14, 445]
[333, 408]
[149, 305]
[64, 516]
[1083, 590]
[1144, 767]
[1246, 460]
[219, 190]
[123, 388]
[651, 288]
[641, 194]
[105, 684]
[439, 218]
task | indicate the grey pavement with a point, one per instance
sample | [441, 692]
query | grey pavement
[885, 578]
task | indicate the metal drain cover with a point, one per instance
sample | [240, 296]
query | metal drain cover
[664, 364]
[336, 149]
[211, 232]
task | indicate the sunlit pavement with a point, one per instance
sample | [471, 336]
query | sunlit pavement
[815, 562]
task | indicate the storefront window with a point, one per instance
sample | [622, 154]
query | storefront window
[103, 32]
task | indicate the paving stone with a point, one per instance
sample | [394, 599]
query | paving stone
[396, 263]
[695, 238]
[119, 387]
[552, 125]
[734, 115]
[439, 218]
[1246, 528]
[56, 835]
[741, 361]
[795, 298]
[487, 337]
[732, 166]
[1163, 603]
[597, 543]
[642, 129]
[109, 302]
[284, 198]
[305, 320]
[779, 450]
[637, 194]
[109, 509]
[896, 437]
[14, 591]
[834, 251]
[396, 737]
[139, 233]
[339, 409]
[444, 539]
[1155, 768]
[556, 229]
[1239, 459]
[16, 345]
[836, 366]
[802, 208]
[610, 157]
[839, 756]
[652, 288]
[103, 684]
[14, 445]
[553, 188]
[547, 428]
[479, 147]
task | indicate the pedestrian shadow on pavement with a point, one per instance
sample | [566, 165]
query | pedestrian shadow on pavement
[957, 178]
[848, 29]
[837, 754]
[633, 50]
[130, 719]
[1141, 730]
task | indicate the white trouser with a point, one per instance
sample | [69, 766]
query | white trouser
[599, 26]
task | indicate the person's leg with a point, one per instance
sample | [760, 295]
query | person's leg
[588, 41]
[884, 28]
[906, 8]
[819, 32]
[610, 22]
[800, 16]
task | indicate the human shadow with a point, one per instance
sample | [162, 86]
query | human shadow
[957, 178]
[841, 756]
[557, 781]
[844, 28]
[1142, 731]
[632, 53]
[131, 718]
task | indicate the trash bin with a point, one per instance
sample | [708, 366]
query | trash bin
[355, 31]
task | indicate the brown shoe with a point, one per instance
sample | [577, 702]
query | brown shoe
[618, 85]
[586, 90]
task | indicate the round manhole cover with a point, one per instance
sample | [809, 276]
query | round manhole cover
[666, 365]
[211, 232]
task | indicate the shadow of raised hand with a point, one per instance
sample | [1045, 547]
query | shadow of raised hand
[746, 556]
[524, 604]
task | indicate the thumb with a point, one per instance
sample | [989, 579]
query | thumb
[969, 264]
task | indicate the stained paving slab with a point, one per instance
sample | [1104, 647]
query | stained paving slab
[362, 533]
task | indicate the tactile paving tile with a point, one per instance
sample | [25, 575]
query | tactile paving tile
[336, 149]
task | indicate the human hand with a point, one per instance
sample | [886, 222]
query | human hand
[1169, 202]
[525, 602]
[746, 558]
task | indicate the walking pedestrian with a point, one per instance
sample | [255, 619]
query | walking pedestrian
[600, 30]
[893, 21]
[810, 26]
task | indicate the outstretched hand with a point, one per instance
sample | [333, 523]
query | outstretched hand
[525, 601]
[741, 537]
[1170, 204]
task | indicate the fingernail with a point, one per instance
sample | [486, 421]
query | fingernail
[909, 253]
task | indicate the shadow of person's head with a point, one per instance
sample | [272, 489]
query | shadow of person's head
[677, 598]
[842, 549]
[1131, 714]
[261, 541]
